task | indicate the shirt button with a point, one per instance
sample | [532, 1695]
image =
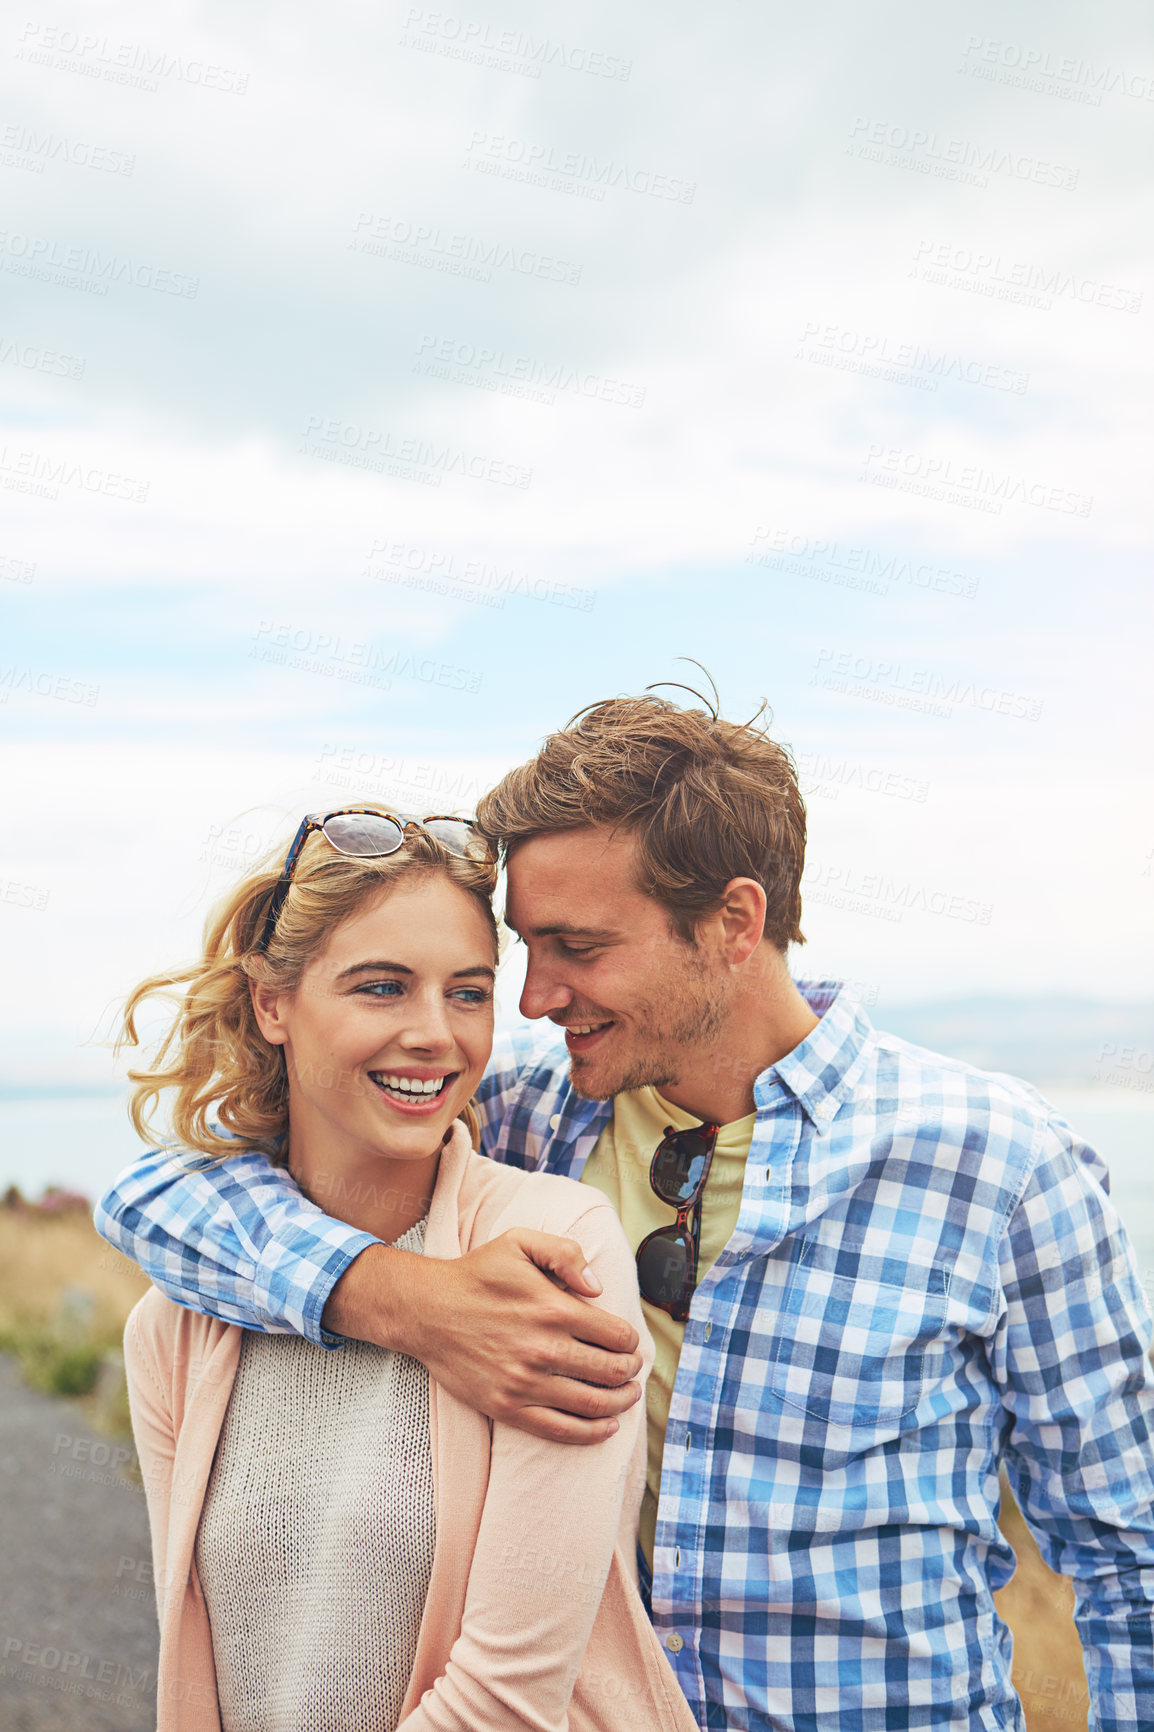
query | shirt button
[708, 1329]
[674, 1643]
[554, 1121]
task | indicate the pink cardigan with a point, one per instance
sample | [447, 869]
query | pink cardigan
[533, 1618]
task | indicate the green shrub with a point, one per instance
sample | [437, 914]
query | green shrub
[68, 1370]
[55, 1366]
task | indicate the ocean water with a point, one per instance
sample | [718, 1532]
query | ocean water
[78, 1141]
[82, 1142]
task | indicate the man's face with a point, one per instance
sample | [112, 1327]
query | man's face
[637, 1002]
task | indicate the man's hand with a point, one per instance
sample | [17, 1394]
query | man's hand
[498, 1330]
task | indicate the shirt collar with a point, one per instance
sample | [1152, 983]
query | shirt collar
[820, 1073]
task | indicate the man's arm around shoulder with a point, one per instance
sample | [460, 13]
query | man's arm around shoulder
[237, 1240]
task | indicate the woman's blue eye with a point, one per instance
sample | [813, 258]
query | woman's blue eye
[394, 989]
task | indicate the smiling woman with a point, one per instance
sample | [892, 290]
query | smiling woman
[219, 1060]
[336, 1540]
[382, 1055]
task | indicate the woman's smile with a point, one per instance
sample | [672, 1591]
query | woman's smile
[413, 1092]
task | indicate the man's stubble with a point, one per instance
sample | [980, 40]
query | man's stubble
[692, 1013]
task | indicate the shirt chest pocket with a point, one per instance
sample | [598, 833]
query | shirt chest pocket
[860, 1338]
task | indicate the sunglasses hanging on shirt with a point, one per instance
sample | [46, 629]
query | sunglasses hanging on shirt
[667, 1258]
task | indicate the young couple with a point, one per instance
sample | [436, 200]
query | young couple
[868, 1276]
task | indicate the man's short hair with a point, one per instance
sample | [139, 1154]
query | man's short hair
[708, 800]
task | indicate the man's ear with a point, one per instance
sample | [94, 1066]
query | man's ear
[742, 919]
[267, 1005]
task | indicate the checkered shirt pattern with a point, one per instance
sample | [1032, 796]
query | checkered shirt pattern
[927, 1279]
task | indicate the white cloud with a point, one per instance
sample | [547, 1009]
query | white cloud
[751, 319]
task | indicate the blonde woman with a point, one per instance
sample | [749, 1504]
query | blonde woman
[338, 1543]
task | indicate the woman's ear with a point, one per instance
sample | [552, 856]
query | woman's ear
[267, 1003]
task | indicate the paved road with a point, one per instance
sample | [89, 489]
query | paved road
[78, 1626]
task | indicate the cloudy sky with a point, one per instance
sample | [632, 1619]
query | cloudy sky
[382, 385]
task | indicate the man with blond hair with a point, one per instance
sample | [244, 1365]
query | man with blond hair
[873, 1274]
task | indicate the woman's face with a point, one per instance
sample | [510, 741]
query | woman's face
[390, 1027]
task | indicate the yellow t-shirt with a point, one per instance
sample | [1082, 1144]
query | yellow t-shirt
[619, 1167]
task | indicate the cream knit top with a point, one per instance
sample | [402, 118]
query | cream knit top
[316, 1539]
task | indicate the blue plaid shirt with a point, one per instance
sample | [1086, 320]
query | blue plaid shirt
[927, 1278]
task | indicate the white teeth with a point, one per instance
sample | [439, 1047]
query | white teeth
[586, 1028]
[414, 1085]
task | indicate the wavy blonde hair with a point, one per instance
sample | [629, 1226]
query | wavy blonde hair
[213, 1055]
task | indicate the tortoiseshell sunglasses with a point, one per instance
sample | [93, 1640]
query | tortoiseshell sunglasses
[367, 835]
[667, 1258]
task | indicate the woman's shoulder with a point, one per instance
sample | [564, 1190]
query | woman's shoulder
[495, 1197]
[160, 1328]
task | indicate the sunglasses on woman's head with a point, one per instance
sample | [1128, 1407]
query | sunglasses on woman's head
[366, 835]
[667, 1258]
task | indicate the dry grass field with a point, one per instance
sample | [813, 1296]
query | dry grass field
[44, 1257]
[64, 1295]
[1039, 1608]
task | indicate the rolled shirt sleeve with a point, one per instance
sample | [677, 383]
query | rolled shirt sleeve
[236, 1239]
[1070, 1354]
[233, 1239]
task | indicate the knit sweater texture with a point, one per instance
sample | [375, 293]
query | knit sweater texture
[317, 1536]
